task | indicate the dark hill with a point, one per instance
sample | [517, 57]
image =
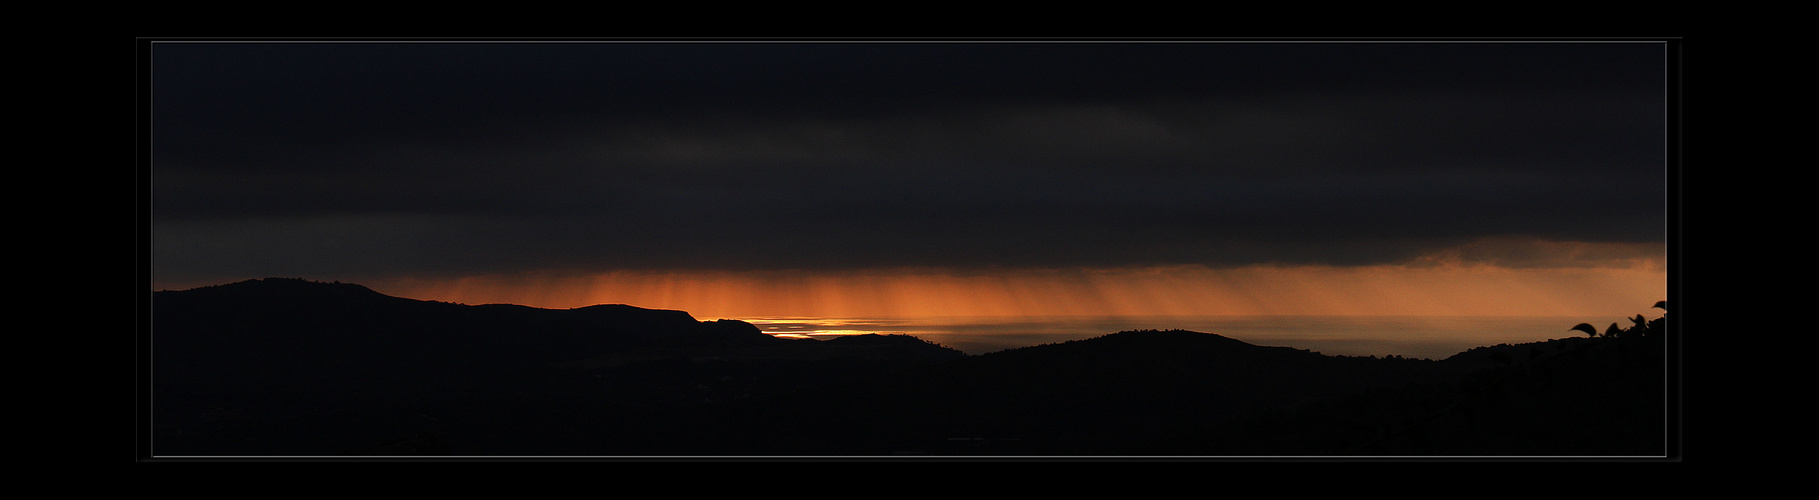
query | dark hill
[286, 366]
[1118, 394]
[1180, 393]
[1571, 397]
[270, 333]
[290, 367]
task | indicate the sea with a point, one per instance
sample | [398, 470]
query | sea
[1424, 337]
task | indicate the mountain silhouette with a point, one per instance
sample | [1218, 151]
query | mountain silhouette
[296, 350]
[1119, 394]
[287, 367]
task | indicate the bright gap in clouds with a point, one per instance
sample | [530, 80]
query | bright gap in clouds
[1429, 289]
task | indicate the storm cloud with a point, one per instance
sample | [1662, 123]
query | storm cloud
[366, 159]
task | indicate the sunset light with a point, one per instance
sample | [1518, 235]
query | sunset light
[830, 248]
[1429, 290]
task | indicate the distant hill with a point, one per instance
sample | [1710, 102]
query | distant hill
[291, 367]
[295, 350]
[1118, 394]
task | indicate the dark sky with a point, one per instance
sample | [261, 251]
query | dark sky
[335, 159]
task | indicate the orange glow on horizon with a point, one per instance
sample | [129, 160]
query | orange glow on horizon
[1443, 289]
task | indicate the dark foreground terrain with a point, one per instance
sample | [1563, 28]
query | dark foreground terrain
[284, 367]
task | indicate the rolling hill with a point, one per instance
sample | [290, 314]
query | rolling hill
[284, 367]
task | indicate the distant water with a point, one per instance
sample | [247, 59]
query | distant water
[1428, 337]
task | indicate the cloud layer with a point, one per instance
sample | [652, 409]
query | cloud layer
[413, 158]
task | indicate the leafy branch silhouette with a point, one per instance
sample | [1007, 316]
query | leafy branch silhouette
[1491, 391]
[1639, 327]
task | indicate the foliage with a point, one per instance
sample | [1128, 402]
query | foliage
[1639, 327]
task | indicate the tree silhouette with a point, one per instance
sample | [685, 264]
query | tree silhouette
[1640, 326]
[1590, 331]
